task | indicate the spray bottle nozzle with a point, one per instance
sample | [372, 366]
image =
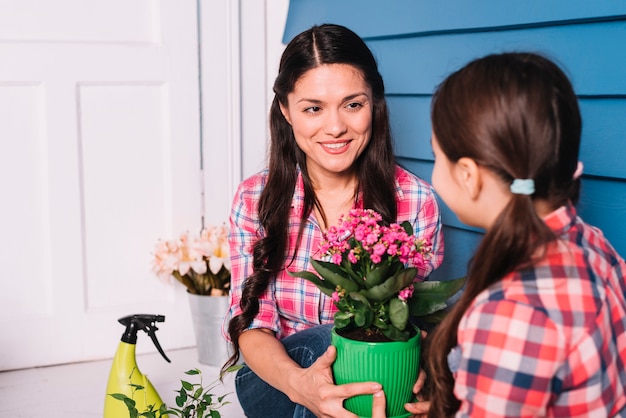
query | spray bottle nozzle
[146, 323]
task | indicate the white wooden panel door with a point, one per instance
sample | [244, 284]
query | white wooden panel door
[99, 157]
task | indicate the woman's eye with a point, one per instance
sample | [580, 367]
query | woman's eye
[354, 106]
[312, 109]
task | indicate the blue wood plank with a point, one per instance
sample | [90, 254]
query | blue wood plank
[603, 145]
[603, 204]
[459, 247]
[410, 125]
[416, 65]
[424, 169]
[377, 18]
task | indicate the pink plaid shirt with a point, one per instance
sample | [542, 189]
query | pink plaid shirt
[291, 304]
[549, 340]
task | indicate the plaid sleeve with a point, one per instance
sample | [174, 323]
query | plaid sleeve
[418, 204]
[428, 221]
[510, 353]
[245, 230]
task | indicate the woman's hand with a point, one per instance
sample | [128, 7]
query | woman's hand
[321, 396]
[418, 409]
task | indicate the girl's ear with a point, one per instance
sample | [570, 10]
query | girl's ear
[285, 113]
[469, 177]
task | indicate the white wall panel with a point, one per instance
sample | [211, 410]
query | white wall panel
[99, 134]
[124, 139]
[91, 21]
[24, 244]
[100, 143]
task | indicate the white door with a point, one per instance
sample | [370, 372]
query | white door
[99, 157]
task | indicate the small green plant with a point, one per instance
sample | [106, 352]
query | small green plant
[193, 400]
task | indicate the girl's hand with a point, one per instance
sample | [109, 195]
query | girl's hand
[320, 395]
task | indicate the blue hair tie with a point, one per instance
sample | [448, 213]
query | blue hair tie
[523, 186]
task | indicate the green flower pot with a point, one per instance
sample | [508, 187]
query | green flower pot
[395, 365]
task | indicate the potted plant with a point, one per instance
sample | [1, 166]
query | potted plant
[202, 264]
[193, 400]
[370, 269]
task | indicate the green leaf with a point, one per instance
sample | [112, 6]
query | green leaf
[395, 334]
[333, 273]
[193, 372]
[181, 398]
[377, 275]
[358, 297]
[408, 228]
[198, 393]
[398, 313]
[118, 396]
[390, 287]
[186, 385]
[359, 319]
[130, 403]
[326, 287]
[431, 296]
[342, 319]
[335, 268]
[348, 267]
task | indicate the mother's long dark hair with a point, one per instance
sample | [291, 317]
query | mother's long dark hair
[517, 115]
[375, 168]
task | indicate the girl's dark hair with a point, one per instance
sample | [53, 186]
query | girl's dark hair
[375, 168]
[517, 115]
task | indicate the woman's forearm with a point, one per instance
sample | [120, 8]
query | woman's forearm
[266, 356]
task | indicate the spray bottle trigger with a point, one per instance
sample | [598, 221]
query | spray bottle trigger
[152, 334]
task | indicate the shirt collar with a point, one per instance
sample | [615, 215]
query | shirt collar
[561, 219]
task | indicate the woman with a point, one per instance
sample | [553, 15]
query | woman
[331, 151]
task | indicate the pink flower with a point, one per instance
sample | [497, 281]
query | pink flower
[406, 293]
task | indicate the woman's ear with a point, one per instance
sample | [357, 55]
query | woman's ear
[469, 177]
[285, 113]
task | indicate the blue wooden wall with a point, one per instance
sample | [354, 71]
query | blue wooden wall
[417, 43]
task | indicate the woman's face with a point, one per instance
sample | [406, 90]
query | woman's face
[330, 112]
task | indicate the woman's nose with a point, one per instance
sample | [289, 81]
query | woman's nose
[334, 124]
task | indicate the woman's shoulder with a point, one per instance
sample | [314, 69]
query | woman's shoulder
[415, 192]
[407, 180]
[254, 183]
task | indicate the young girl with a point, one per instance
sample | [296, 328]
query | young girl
[541, 327]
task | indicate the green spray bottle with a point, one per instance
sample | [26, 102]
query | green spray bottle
[125, 375]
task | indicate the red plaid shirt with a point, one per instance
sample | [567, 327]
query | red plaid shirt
[551, 340]
[291, 304]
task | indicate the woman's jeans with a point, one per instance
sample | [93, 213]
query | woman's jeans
[258, 399]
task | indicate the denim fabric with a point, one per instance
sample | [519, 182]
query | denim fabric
[258, 399]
